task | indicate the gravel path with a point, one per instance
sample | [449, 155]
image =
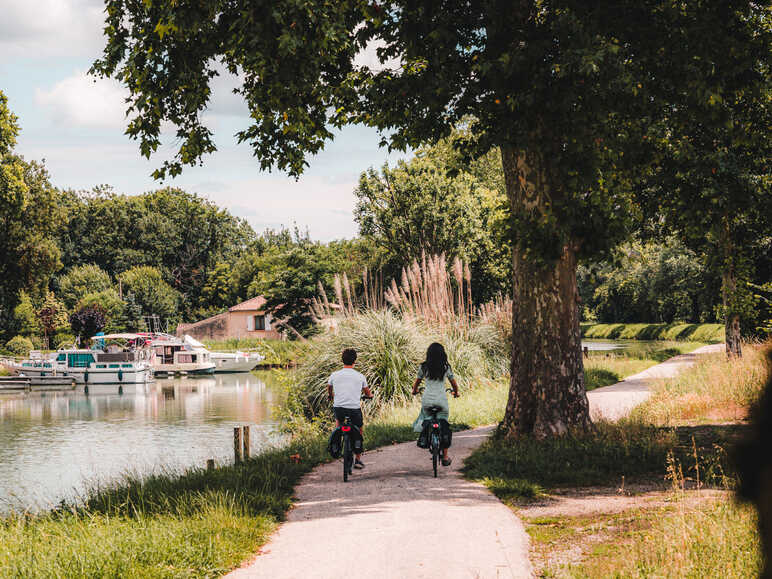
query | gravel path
[615, 401]
[395, 520]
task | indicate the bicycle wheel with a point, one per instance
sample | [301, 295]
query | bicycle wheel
[435, 452]
[348, 457]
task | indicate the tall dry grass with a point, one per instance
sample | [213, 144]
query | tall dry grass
[714, 389]
[390, 330]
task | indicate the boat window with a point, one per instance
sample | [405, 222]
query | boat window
[126, 365]
[115, 365]
[184, 358]
[79, 360]
[101, 366]
[61, 358]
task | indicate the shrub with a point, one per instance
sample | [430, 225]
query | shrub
[389, 351]
[19, 346]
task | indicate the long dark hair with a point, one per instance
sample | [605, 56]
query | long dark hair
[436, 363]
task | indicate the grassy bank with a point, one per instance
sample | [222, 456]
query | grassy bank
[714, 390]
[669, 437]
[276, 352]
[708, 333]
[200, 523]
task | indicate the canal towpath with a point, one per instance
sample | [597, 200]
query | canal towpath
[395, 520]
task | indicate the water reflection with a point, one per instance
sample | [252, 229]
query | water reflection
[54, 444]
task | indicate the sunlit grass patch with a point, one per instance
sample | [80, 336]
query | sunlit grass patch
[718, 539]
[714, 389]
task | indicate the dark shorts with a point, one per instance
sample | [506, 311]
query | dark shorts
[355, 414]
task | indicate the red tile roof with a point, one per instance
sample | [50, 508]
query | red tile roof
[255, 303]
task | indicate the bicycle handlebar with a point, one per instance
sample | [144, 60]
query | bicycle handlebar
[420, 390]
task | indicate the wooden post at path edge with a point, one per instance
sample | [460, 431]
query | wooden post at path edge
[245, 436]
[237, 444]
[209, 464]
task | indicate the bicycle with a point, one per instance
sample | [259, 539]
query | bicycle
[348, 447]
[435, 436]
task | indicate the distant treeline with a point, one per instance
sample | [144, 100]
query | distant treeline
[179, 256]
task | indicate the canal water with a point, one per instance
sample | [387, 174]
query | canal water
[55, 445]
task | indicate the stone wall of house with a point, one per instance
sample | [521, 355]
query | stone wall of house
[228, 325]
[214, 328]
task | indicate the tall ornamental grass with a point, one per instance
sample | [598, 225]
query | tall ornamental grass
[391, 329]
[389, 349]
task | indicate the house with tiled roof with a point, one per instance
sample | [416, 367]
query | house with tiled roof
[245, 320]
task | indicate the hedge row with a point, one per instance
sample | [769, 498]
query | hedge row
[708, 333]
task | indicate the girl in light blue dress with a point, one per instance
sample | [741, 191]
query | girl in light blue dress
[435, 370]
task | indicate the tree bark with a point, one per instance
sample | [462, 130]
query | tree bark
[731, 318]
[547, 396]
[729, 293]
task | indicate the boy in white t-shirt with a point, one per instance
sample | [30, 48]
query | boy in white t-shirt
[344, 389]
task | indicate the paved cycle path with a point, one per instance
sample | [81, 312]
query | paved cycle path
[395, 520]
[615, 401]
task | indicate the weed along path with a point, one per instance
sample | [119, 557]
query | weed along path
[615, 401]
[395, 520]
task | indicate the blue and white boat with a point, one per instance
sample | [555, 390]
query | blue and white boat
[89, 366]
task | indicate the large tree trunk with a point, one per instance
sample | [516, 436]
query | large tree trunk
[731, 318]
[729, 295]
[546, 395]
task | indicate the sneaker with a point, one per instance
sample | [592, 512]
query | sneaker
[359, 464]
[446, 461]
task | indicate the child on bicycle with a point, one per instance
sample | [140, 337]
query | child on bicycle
[344, 389]
[435, 370]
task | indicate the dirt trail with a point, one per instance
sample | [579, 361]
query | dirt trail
[395, 520]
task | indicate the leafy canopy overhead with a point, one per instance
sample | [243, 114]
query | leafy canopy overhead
[575, 83]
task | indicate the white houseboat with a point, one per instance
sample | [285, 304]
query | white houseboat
[175, 356]
[89, 366]
[226, 362]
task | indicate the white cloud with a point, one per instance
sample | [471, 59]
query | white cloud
[43, 28]
[85, 101]
[322, 206]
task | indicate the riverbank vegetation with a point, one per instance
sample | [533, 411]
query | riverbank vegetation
[673, 445]
[705, 333]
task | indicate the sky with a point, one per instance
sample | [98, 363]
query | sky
[76, 124]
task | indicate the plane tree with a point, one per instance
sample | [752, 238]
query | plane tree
[564, 89]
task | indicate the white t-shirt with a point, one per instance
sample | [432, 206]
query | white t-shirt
[347, 387]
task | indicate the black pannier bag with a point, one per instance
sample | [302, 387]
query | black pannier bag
[335, 444]
[424, 437]
[446, 436]
[357, 442]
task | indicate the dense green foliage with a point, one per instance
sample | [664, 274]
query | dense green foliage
[29, 217]
[666, 282]
[438, 204]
